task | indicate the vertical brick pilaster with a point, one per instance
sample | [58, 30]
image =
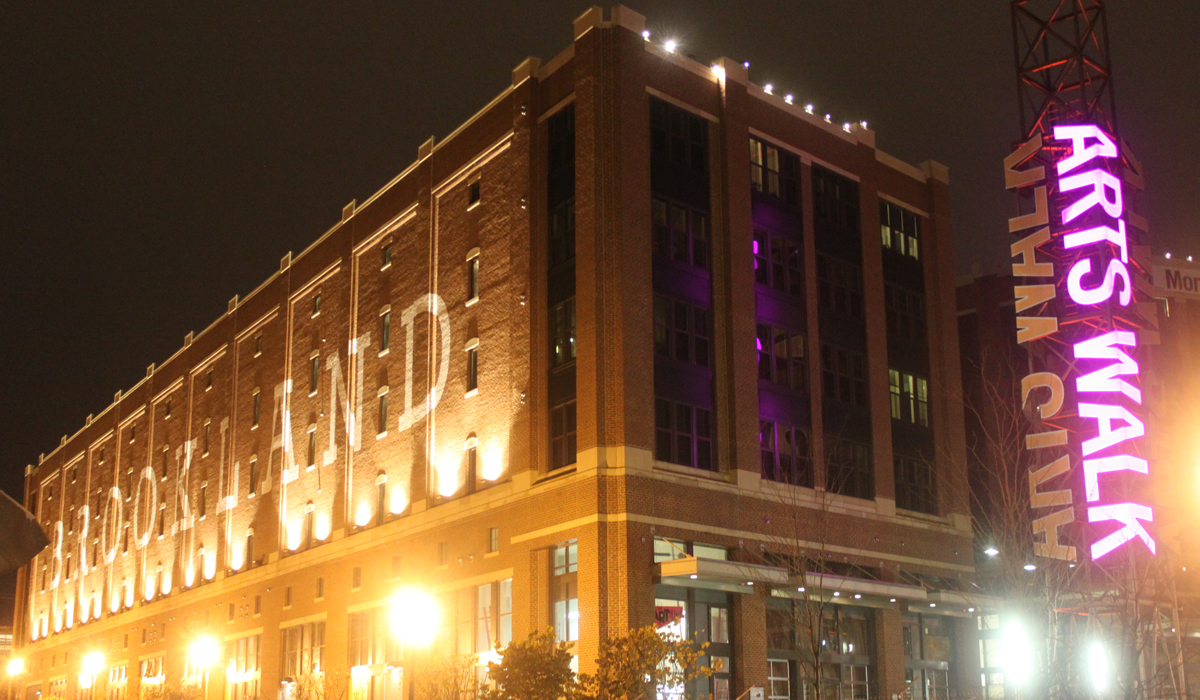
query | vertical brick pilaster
[749, 642]
[889, 653]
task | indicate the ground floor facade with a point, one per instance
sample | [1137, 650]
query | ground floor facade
[591, 554]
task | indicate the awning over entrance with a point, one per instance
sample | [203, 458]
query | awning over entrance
[730, 576]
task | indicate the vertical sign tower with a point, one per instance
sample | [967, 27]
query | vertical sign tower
[1076, 288]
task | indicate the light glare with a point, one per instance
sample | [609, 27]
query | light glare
[670, 45]
[414, 617]
[1015, 654]
[1098, 666]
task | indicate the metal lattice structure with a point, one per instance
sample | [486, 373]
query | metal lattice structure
[1063, 65]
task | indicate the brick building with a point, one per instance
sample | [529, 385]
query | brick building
[626, 346]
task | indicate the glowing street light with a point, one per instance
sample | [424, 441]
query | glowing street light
[413, 617]
[205, 652]
[93, 664]
[1098, 667]
[16, 667]
[1016, 654]
[670, 45]
[991, 551]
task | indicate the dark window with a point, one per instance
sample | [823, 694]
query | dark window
[314, 373]
[356, 577]
[680, 233]
[383, 412]
[253, 476]
[312, 447]
[443, 553]
[678, 136]
[909, 397]
[257, 412]
[562, 435]
[560, 149]
[472, 459]
[777, 263]
[848, 467]
[562, 333]
[839, 286]
[380, 502]
[208, 377]
[473, 369]
[494, 539]
[683, 434]
[257, 605]
[774, 171]
[835, 202]
[473, 278]
[784, 450]
[385, 255]
[207, 436]
[900, 230]
[473, 193]
[781, 356]
[843, 375]
[681, 331]
[562, 234]
[905, 312]
[316, 307]
[257, 351]
[165, 457]
[916, 488]
[385, 330]
[202, 505]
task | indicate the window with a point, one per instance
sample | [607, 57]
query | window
[494, 539]
[562, 234]
[385, 255]
[151, 670]
[835, 202]
[779, 681]
[385, 330]
[250, 557]
[287, 597]
[243, 666]
[167, 408]
[781, 356]
[909, 396]
[900, 230]
[316, 304]
[839, 286]
[916, 487]
[320, 588]
[256, 412]
[473, 193]
[774, 171]
[165, 457]
[843, 375]
[383, 411]
[473, 367]
[443, 554]
[162, 520]
[356, 577]
[257, 605]
[562, 435]
[258, 345]
[777, 263]
[380, 500]
[681, 331]
[202, 501]
[472, 463]
[253, 475]
[905, 312]
[208, 377]
[312, 447]
[473, 277]
[314, 373]
[683, 434]
[232, 611]
[562, 333]
[784, 450]
[207, 436]
[679, 233]
[678, 136]
[848, 467]
[303, 649]
[565, 591]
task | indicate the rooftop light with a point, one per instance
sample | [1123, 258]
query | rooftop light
[746, 64]
[646, 34]
[808, 108]
[863, 123]
[788, 98]
[719, 72]
[846, 127]
[1168, 255]
[670, 45]
[769, 89]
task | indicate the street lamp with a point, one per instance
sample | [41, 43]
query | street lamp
[16, 667]
[203, 654]
[93, 664]
[991, 551]
[1016, 654]
[413, 617]
[1097, 661]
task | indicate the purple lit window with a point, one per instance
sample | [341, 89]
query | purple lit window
[683, 434]
[781, 356]
[681, 331]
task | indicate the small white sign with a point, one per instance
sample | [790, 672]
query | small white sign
[1177, 282]
[756, 693]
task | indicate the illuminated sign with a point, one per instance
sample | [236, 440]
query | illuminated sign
[1082, 343]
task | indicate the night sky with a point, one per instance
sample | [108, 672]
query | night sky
[156, 160]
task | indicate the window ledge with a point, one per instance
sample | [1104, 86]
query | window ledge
[471, 393]
[310, 467]
[490, 555]
[385, 266]
[474, 204]
[689, 471]
[472, 301]
[381, 435]
[385, 352]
